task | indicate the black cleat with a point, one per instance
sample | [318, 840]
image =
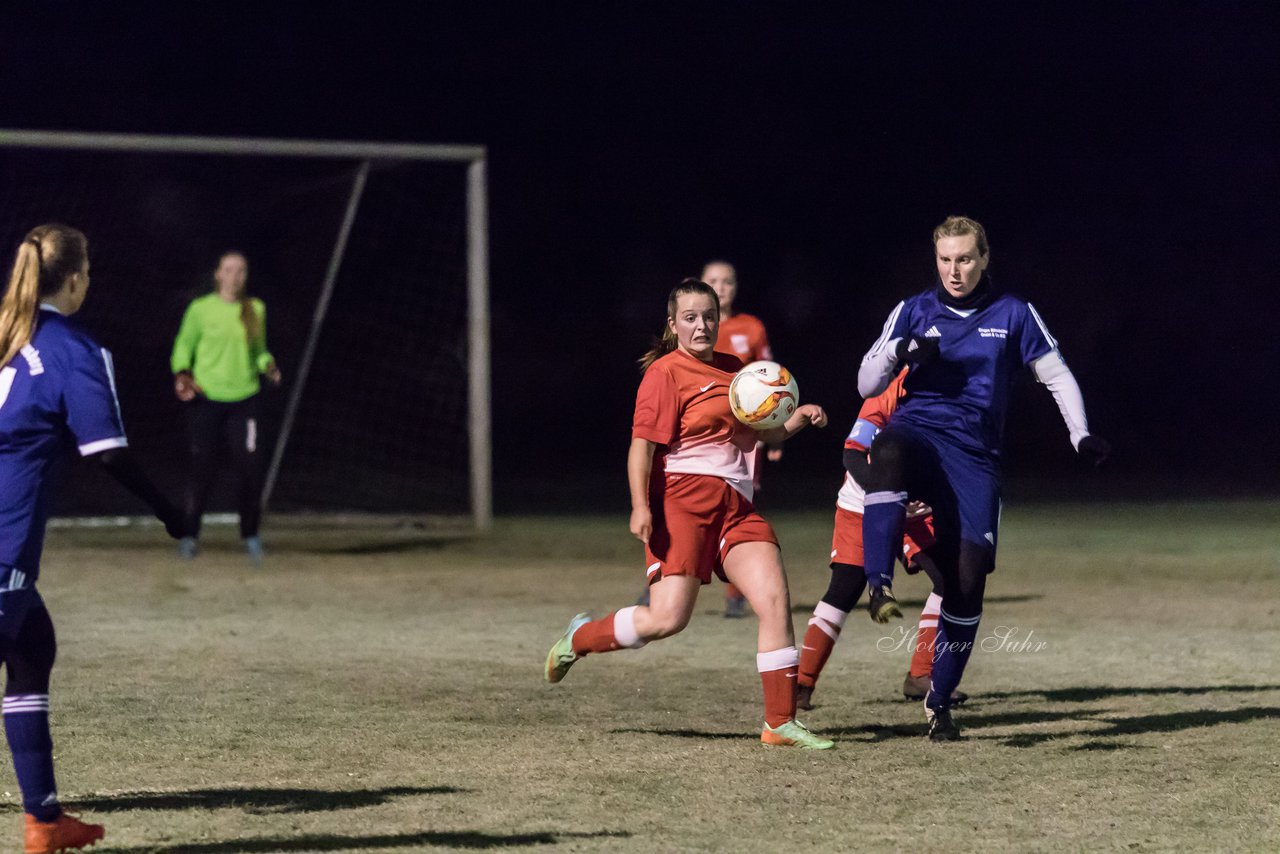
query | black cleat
[804, 697]
[882, 606]
[735, 606]
[941, 726]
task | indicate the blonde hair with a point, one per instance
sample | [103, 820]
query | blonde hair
[46, 258]
[668, 341]
[958, 226]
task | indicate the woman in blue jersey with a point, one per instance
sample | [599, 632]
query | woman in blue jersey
[57, 392]
[965, 342]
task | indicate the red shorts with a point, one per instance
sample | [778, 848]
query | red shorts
[846, 539]
[697, 521]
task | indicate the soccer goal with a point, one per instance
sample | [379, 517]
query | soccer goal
[372, 260]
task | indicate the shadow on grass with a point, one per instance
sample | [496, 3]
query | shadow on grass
[1012, 599]
[255, 800]
[686, 733]
[1112, 727]
[386, 547]
[328, 842]
[1091, 694]
[1140, 724]
[884, 732]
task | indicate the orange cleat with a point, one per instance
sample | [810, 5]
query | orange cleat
[62, 834]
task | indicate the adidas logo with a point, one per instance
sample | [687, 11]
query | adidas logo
[933, 333]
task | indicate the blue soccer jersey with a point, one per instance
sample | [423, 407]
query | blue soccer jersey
[59, 392]
[964, 394]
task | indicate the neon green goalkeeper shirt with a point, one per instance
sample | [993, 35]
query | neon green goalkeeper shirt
[213, 345]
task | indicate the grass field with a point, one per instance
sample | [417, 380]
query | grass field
[374, 693]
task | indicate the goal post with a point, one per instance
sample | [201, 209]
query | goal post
[362, 157]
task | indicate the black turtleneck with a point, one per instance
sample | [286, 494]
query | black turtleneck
[977, 298]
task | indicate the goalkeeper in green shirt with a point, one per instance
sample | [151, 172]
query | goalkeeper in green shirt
[219, 359]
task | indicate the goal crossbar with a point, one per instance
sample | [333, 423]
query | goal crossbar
[477, 228]
[162, 144]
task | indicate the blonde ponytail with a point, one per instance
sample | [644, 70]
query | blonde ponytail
[46, 258]
[249, 319]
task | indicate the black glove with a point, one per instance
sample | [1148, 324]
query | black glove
[919, 351]
[173, 520]
[121, 465]
[1094, 449]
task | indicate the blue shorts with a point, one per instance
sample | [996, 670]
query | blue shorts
[962, 487]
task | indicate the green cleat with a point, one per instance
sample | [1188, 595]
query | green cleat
[794, 734]
[562, 656]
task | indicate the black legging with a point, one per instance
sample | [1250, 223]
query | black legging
[28, 656]
[848, 581]
[236, 427]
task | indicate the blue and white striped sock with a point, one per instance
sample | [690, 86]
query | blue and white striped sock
[26, 726]
[883, 517]
[950, 655]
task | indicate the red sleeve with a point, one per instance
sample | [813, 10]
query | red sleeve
[657, 416]
[880, 408]
[763, 350]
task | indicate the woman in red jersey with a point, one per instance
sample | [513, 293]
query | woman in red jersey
[689, 468]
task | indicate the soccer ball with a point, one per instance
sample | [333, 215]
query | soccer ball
[763, 395]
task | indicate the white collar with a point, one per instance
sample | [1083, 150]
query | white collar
[48, 306]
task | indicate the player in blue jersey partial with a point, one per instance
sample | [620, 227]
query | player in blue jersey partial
[965, 343]
[57, 393]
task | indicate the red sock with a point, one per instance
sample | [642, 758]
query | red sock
[731, 592]
[615, 631]
[926, 633]
[596, 636]
[819, 640]
[778, 674]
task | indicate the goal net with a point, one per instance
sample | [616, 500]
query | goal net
[371, 259]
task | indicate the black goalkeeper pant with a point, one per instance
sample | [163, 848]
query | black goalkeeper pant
[214, 428]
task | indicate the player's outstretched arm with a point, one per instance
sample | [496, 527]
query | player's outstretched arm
[1052, 371]
[122, 466]
[809, 413]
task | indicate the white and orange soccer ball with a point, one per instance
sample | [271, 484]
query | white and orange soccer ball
[763, 395]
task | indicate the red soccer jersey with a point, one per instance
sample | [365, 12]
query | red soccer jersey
[683, 406]
[876, 412]
[743, 335]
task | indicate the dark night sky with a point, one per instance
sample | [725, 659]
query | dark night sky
[1122, 156]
